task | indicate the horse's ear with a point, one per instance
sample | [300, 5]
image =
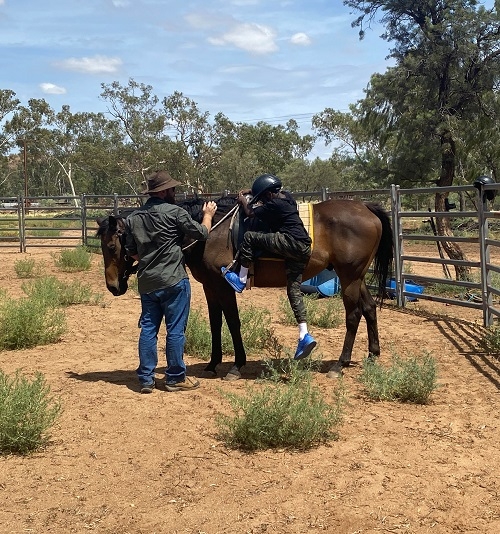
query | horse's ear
[113, 223]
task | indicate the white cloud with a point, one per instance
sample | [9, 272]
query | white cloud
[92, 65]
[2, 2]
[301, 39]
[254, 38]
[120, 3]
[52, 89]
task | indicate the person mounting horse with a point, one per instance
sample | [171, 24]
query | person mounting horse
[287, 239]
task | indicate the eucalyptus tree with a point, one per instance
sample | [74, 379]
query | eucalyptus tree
[135, 108]
[252, 149]
[8, 104]
[447, 56]
[196, 155]
[86, 148]
[28, 127]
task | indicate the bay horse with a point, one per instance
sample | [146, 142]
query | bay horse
[348, 236]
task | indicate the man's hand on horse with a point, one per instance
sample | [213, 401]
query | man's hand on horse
[209, 208]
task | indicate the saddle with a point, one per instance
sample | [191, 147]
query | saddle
[267, 270]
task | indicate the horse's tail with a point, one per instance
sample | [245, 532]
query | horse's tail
[385, 251]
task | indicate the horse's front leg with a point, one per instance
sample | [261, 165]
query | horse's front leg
[215, 319]
[229, 304]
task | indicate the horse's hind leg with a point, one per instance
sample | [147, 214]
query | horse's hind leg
[353, 311]
[370, 315]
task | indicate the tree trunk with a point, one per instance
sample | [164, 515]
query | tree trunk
[443, 223]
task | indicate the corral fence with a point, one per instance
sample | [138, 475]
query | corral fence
[71, 221]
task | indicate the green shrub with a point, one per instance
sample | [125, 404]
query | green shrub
[490, 342]
[29, 322]
[281, 415]
[256, 332]
[73, 260]
[27, 411]
[27, 268]
[407, 380]
[321, 312]
[54, 292]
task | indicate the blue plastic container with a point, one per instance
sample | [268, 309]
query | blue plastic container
[409, 286]
[326, 283]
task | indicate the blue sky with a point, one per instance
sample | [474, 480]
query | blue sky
[252, 60]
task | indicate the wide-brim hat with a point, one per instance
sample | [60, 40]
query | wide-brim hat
[159, 181]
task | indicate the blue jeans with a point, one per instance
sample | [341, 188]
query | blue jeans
[171, 304]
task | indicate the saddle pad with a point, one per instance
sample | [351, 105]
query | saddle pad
[305, 213]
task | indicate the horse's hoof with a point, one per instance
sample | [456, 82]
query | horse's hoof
[233, 374]
[208, 373]
[335, 371]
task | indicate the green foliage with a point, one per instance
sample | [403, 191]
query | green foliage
[27, 412]
[27, 268]
[73, 260]
[490, 342]
[256, 332]
[54, 292]
[281, 415]
[29, 322]
[407, 380]
[321, 312]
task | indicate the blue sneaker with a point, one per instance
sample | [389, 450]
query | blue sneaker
[305, 347]
[233, 280]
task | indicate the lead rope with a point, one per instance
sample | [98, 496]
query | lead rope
[227, 215]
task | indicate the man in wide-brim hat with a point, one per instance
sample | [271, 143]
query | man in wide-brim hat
[154, 238]
[160, 181]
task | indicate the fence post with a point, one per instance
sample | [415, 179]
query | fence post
[484, 255]
[83, 219]
[397, 233]
[20, 222]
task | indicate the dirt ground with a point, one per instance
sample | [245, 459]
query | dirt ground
[122, 462]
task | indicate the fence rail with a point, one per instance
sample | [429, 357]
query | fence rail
[71, 221]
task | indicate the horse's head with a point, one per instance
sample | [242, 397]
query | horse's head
[117, 265]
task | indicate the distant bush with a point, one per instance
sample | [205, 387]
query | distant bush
[73, 260]
[406, 380]
[321, 312]
[27, 411]
[256, 332]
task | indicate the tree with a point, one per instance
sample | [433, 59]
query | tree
[142, 125]
[447, 68]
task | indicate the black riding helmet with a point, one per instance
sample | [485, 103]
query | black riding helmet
[265, 182]
[485, 180]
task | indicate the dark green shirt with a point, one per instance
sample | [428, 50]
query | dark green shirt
[155, 233]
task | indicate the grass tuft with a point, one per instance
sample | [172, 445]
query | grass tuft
[74, 260]
[28, 322]
[406, 380]
[291, 415]
[27, 411]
